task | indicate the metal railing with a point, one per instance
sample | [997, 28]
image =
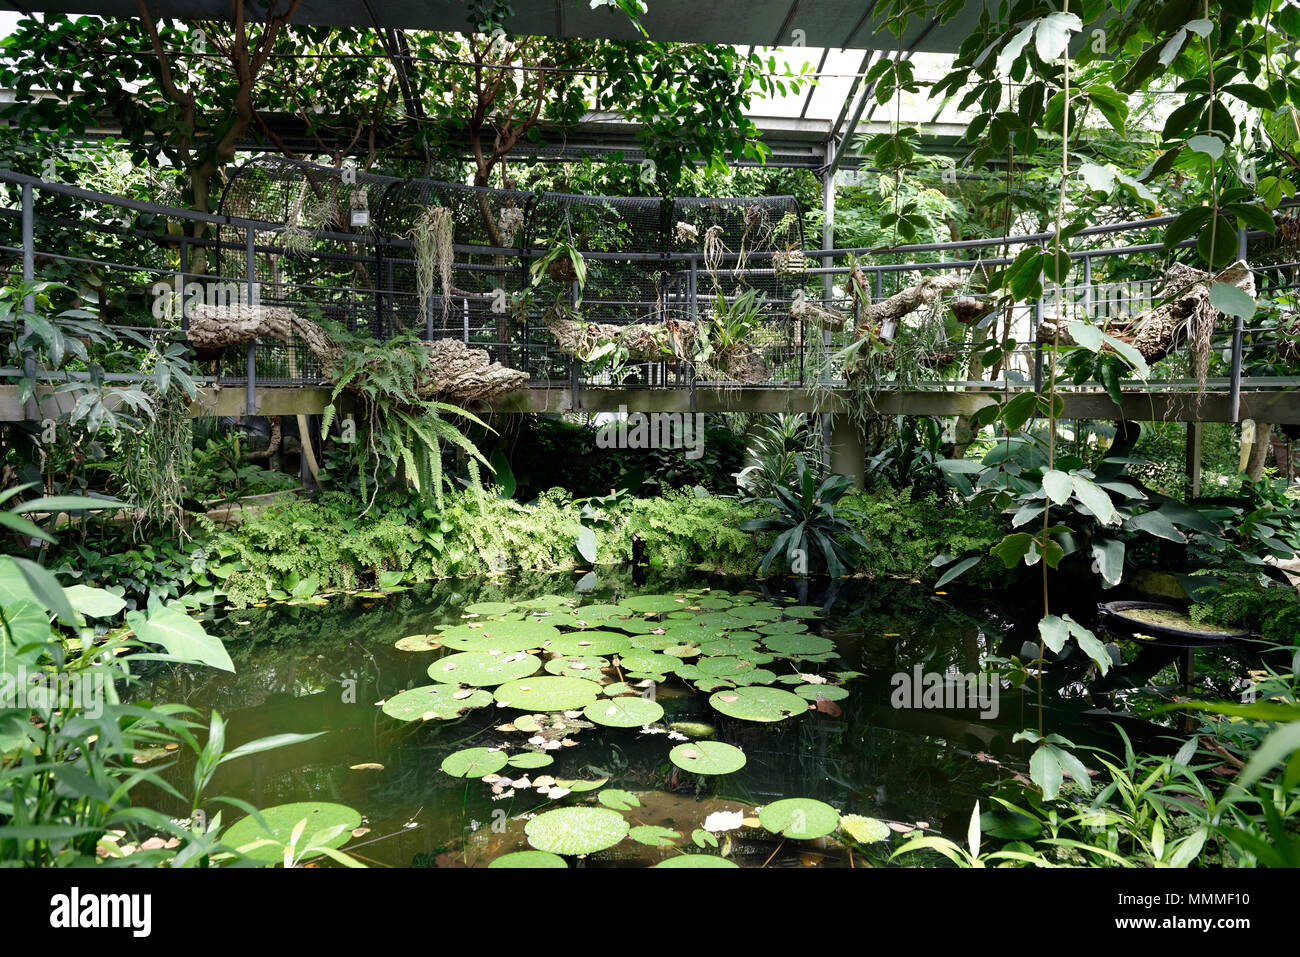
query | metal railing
[350, 278]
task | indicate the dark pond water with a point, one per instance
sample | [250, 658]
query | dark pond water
[308, 667]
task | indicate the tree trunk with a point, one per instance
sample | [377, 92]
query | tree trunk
[1259, 452]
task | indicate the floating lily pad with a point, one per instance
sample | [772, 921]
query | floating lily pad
[652, 604]
[653, 642]
[713, 602]
[783, 628]
[529, 859]
[758, 703]
[531, 759]
[864, 830]
[825, 692]
[548, 693]
[580, 666]
[418, 643]
[429, 702]
[707, 757]
[618, 800]
[595, 642]
[473, 762]
[482, 668]
[728, 646]
[755, 613]
[799, 645]
[652, 835]
[280, 822]
[576, 830]
[547, 601]
[800, 819]
[577, 785]
[618, 688]
[626, 712]
[724, 667]
[600, 612]
[651, 662]
[490, 608]
[759, 676]
[499, 636]
[801, 611]
[697, 860]
[558, 619]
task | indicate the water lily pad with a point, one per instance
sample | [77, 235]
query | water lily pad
[783, 628]
[595, 642]
[652, 604]
[418, 643]
[800, 819]
[617, 688]
[499, 636]
[697, 860]
[724, 667]
[578, 785]
[682, 651]
[618, 800]
[580, 666]
[758, 703]
[801, 611]
[547, 601]
[600, 612]
[864, 830]
[490, 608]
[755, 613]
[429, 702]
[473, 762]
[759, 676]
[825, 692]
[280, 821]
[482, 668]
[651, 662]
[728, 646]
[799, 645]
[576, 830]
[653, 642]
[713, 602]
[652, 835]
[626, 712]
[531, 759]
[707, 757]
[548, 693]
[529, 859]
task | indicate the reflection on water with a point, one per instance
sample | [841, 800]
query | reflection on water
[305, 667]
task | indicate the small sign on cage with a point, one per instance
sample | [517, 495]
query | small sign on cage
[360, 217]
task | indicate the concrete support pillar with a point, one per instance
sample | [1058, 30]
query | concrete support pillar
[848, 455]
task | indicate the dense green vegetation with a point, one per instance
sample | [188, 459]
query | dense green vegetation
[117, 539]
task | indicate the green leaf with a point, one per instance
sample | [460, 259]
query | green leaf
[1096, 499]
[1231, 301]
[182, 636]
[1058, 485]
[1054, 632]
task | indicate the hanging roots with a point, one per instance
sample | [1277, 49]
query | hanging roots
[687, 234]
[789, 262]
[805, 310]
[1186, 315]
[644, 341]
[431, 237]
[454, 370]
[714, 250]
[510, 221]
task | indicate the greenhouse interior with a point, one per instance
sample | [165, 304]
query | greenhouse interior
[636, 434]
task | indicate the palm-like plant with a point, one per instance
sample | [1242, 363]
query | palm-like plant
[810, 533]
